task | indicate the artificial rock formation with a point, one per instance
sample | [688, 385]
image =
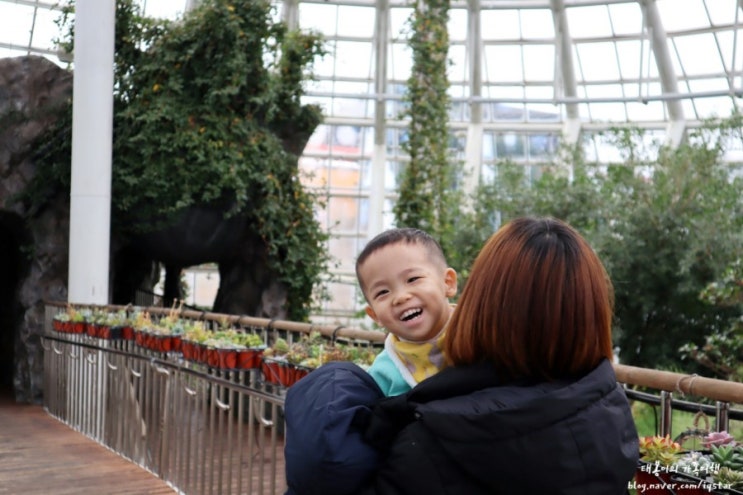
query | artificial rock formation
[34, 243]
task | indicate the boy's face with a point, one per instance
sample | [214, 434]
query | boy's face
[408, 291]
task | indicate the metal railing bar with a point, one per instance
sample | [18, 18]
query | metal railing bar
[681, 405]
[173, 366]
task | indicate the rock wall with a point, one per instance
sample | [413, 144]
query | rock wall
[35, 243]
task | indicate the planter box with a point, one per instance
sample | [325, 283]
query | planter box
[270, 371]
[91, 329]
[239, 359]
[62, 326]
[104, 331]
[139, 337]
[195, 352]
[188, 350]
[163, 343]
[280, 372]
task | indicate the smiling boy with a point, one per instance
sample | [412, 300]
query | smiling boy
[407, 285]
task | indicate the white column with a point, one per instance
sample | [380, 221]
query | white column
[92, 136]
[565, 72]
[290, 14]
[377, 191]
[473, 148]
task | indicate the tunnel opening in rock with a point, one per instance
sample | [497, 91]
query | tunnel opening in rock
[14, 266]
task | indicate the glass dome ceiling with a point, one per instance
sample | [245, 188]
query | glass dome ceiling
[525, 75]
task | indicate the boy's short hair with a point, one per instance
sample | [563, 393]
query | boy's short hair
[406, 235]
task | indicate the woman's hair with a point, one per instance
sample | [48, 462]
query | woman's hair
[538, 304]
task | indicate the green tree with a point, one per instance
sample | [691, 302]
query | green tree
[208, 112]
[664, 226]
[722, 351]
[426, 192]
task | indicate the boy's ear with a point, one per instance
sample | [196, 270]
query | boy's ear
[371, 313]
[450, 280]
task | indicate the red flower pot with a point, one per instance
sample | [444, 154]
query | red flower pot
[108, 332]
[202, 353]
[91, 329]
[58, 325]
[227, 359]
[187, 349]
[249, 359]
[162, 343]
[212, 357]
[270, 371]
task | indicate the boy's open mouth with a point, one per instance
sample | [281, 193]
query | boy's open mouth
[411, 313]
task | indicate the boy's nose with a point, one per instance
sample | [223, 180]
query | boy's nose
[401, 297]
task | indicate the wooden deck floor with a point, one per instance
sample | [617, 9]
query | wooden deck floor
[41, 455]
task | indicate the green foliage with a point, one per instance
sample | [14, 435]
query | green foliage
[722, 351]
[208, 112]
[664, 228]
[426, 193]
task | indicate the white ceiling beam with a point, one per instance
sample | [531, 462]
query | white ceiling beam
[668, 79]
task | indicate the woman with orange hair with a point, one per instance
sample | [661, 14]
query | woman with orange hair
[529, 402]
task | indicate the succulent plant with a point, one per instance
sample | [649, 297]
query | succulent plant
[718, 438]
[728, 456]
[696, 464]
[196, 332]
[659, 449]
[297, 353]
[281, 346]
[729, 477]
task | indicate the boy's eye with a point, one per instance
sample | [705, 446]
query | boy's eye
[380, 293]
[413, 279]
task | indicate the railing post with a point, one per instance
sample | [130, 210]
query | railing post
[722, 415]
[666, 412]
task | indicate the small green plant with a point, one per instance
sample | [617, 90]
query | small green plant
[728, 456]
[729, 477]
[195, 331]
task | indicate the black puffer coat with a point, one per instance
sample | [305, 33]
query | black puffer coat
[462, 433]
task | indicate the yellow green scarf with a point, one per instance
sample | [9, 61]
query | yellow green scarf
[420, 359]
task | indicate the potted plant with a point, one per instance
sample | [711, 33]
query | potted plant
[284, 364]
[62, 322]
[274, 358]
[666, 468]
[193, 346]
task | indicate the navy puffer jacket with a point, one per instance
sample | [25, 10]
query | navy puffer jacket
[326, 414]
